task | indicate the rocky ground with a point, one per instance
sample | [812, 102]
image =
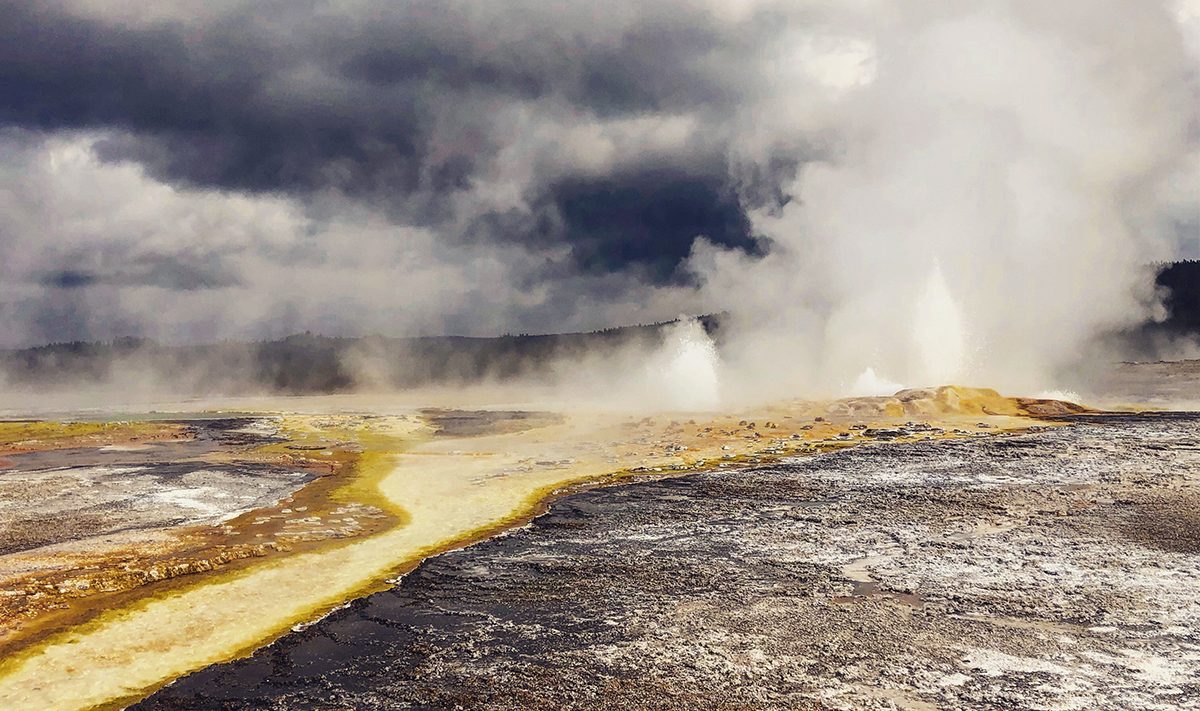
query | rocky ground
[1056, 569]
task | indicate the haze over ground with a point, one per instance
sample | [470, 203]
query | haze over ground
[936, 191]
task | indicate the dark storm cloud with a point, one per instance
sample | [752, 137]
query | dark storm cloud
[61, 71]
[68, 279]
[649, 217]
[397, 106]
[652, 66]
[164, 272]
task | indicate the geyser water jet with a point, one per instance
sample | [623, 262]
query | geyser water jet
[869, 384]
[686, 369]
[939, 337]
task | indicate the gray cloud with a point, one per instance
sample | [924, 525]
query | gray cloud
[236, 168]
[407, 107]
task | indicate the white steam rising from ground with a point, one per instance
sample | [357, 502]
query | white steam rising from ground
[984, 212]
[684, 373]
[939, 336]
[869, 384]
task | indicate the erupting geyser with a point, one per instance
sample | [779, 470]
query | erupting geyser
[869, 384]
[938, 345]
[685, 371]
[939, 337]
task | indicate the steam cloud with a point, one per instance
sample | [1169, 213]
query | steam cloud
[930, 190]
[999, 175]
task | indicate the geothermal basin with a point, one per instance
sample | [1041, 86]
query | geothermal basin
[941, 548]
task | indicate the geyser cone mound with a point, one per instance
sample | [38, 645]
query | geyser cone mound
[952, 400]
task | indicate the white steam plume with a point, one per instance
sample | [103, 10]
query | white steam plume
[684, 372]
[1016, 145]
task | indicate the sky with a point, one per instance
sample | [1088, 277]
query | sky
[191, 172]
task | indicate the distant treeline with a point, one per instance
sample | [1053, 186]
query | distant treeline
[310, 363]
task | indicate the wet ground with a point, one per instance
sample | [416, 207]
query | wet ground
[1057, 569]
[473, 423]
[94, 515]
[55, 496]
